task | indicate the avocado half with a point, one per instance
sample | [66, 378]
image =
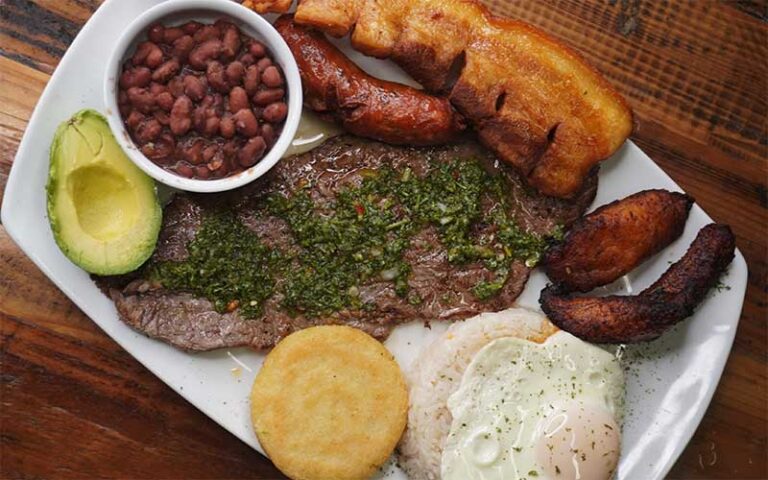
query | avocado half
[103, 210]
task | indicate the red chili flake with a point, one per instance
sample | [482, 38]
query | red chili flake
[359, 209]
[231, 306]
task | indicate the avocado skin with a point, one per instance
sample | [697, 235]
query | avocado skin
[114, 256]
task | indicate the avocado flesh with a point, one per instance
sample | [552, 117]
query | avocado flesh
[102, 208]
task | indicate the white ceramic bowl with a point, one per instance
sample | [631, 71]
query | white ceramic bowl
[179, 11]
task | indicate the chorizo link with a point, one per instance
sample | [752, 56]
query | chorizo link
[674, 296]
[364, 105]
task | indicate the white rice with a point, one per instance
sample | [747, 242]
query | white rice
[437, 373]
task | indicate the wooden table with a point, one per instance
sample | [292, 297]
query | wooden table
[75, 405]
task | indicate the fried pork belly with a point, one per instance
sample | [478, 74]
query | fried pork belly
[532, 100]
[616, 238]
[637, 318]
[264, 6]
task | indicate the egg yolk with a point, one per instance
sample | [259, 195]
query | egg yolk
[580, 443]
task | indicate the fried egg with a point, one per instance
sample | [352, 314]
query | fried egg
[536, 411]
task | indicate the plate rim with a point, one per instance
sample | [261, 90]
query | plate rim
[9, 219]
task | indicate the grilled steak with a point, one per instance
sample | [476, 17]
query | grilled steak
[444, 288]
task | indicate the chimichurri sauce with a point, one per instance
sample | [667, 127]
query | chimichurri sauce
[227, 264]
[360, 238]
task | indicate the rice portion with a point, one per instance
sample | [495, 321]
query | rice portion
[436, 374]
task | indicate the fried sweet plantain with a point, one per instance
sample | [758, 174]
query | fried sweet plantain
[532, 100]
[674, 296]
[615, 238]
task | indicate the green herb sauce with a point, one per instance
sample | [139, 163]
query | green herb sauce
[361, 237]
[227, 264]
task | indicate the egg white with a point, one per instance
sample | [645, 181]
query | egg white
[536, 411]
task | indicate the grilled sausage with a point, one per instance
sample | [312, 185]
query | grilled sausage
[386, 111]
[674, 296]
[615, 238]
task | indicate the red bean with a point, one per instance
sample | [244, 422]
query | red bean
[194, 88]
[251, 80]
[161, 149]
[164, 146]
[135, 77]
[230, 149]
[162, 117]
[185, 170]
[231, 40]
[234, 72]
[208, 32]
[193, 152]
[257, 49]
[182, 46]
[275, 112]
[246, 123]
[227, 127]
[267, 131]
[271, 77]
[265, 97]
[171, 34]
[216, 77]
[165, 71]
[149, 151]
[141, 99]
[201, 55]
[211, 126]
[238, 99]
[142, 51]
[157, 88]
[148, 131]
[180, 121]
[165, 101]
[202, 172]
[154, 58]
[147, 53]
[208, 78]
[264, 63]
[247, 59]
[176, 86]
[209, 152]
[252, 152]
[155, 33]
[198, 118]
[191, 27]
[218, 103]
[134, 119]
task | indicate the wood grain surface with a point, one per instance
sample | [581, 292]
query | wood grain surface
[75, 405]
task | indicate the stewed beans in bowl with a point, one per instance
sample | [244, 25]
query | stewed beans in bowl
[202, 100]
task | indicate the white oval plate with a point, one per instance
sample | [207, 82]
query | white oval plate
[670, 381]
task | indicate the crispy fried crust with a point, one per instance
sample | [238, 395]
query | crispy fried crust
[674, 297]
[264, 6]
[615, 238]
[386, 111]
[533, 101]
